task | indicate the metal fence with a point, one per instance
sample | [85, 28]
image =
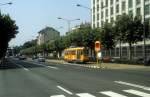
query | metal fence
[137, 52]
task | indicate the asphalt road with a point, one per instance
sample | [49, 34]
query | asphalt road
[33, 79]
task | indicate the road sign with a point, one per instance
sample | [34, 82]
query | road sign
[97, 46]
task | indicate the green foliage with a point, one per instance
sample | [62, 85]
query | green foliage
[8, 30]
[129, 30]
[107, 36]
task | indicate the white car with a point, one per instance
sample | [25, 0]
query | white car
[41, 59]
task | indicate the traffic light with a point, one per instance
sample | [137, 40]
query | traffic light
[97, 46]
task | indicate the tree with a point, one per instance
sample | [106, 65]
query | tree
[129, 30]
[107, 36]
[29, 44]
[8, 30]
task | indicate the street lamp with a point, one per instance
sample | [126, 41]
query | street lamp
[9, 3]
[79, 5]
[144, 40]
[68, 21]
[88, 8]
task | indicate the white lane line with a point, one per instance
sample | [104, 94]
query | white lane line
[138, 93]
[133, 85]
[35, 63]
[57, 96]
[21, 66]
[52, 67]
[43, 65]
[65, 90]
[85, 95]
[112, 94]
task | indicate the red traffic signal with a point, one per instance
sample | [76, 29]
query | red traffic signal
[97, 46]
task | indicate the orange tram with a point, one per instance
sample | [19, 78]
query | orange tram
[76, 54]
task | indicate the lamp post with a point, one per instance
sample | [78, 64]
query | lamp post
[9, 3]
[88, 8]
[144, 40]
[68, 21]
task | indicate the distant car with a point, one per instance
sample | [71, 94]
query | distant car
[22, 58]
[34, 57]
[41, 59]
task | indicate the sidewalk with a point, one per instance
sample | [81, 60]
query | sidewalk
[102, 65]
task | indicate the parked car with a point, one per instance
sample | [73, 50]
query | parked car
[22, 57]
[41, 59]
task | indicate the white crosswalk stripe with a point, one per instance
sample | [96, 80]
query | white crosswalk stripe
[138, 93]
[85, 95]
[112, 94]
[133, 85]
[58, 96]
[109, 94]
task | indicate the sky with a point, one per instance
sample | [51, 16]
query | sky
[33, 15]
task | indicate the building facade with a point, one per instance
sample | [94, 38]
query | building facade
[108, 10]
[47, 34]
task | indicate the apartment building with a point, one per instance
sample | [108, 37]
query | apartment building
[108, 10]
[47, 34]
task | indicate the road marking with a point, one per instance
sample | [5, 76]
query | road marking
[85, 95]
[52, 67]
[133, 85]
[23, 67]
[43, 65]
[57, 96]
[65, 90]
[112, 94]
[138, 93]
[20, 66]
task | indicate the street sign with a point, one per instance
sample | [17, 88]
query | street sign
[97, 46]
[99, 55]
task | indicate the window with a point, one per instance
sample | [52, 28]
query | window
[98, 16]
[130, 3]
[146, 0]
[102, 5]
[93, 9]
[106, 2]
[97, 7]
[93, 18]
[112, 20]
[106, 12]
[138, 2]
[106, 20]
[97, 1]
[102, 23]
[112, 11]
[102, 15]
[93, 2]
[93, 25]
[147, 9]
[138, 11]
[117, 8]
[131, 12]
[111, 2]
[97, 24]
[118, 16]
[117, 0]
[123, 6]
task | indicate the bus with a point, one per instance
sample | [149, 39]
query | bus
[76, 54]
